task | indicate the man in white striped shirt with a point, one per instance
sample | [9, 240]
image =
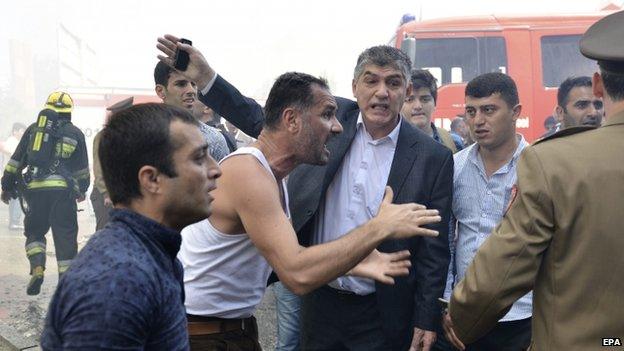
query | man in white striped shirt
[483, 186]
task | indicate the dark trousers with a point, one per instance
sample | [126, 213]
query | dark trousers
[245, 339]
[506, 336]
[54, 209]
[334, 320]
[101, 210]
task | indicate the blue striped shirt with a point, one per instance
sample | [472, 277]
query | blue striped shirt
[479, 203]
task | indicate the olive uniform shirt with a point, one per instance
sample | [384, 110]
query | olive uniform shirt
[562, 237]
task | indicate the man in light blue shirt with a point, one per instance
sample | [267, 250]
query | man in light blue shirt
[483, 186]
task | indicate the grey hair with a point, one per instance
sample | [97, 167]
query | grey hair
[383, 56]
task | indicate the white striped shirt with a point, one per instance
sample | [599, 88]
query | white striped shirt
[479, 203]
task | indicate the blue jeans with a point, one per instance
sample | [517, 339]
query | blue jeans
[288, 306]
[15, 212]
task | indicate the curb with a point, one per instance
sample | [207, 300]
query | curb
[11, 340]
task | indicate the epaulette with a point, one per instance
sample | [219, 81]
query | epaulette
[564, 132]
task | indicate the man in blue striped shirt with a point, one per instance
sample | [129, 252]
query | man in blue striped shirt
[483, 186]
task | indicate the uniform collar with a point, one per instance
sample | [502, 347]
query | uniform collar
[615, 119]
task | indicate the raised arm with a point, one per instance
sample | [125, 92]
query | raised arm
[243, 112]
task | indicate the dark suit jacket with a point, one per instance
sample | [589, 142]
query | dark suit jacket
[421, 172]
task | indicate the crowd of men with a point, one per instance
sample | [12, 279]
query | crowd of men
[369, 216]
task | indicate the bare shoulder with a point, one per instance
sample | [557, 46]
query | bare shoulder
[245, 178]
[245, 169]
[244, 188]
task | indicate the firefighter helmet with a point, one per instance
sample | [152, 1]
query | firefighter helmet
[60, 102]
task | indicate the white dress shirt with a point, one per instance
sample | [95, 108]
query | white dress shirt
[355, 194]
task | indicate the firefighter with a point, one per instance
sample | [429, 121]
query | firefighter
[50, 172]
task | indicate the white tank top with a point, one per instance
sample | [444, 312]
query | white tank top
[224, 274]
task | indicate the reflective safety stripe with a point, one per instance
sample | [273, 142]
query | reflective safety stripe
[70, 141]
[38, 139]
[34, 251]
[34, 248]
[63, 265]
[10, 168]
[42, 121]
[47, 183]
[36, 244]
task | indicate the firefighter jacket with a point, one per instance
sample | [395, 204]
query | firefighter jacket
[69, 168]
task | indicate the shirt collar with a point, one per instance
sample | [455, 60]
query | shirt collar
[475, 158]
[392, 137]
[149, 230]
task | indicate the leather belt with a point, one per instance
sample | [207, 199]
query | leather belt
[204, 326]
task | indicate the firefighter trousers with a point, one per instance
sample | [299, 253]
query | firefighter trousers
[54, 209]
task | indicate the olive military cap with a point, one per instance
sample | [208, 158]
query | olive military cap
[603, 42]
[123, 104]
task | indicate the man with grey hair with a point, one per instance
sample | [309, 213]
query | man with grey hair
[377, 148]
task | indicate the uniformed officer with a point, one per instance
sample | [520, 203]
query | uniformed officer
[51, 191]
[562, 234]
[99, 195]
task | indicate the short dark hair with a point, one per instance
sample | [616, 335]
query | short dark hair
[493, 83]
[567, 85]
[549, 122]
[614, 84]
[421, 78]
[135, 137]
[292, 89]
[162, 71]
[383, 56]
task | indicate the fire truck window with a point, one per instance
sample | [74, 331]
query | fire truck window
[456, 75]
[561, 59]
[436, 72]
[457, 60]
[492, 54]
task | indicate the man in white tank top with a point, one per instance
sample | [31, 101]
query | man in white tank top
[227, 258]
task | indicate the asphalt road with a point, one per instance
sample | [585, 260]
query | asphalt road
[22, 315]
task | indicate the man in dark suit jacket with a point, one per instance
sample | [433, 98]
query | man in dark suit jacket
[359, 315]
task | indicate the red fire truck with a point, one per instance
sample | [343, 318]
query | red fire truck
[538, 51]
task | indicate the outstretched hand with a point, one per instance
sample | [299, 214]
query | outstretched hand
[449, 331]
[422, 340]
[198, 70]
[405, 220]
[382, 266]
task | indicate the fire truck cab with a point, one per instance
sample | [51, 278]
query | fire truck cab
[538, 52]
